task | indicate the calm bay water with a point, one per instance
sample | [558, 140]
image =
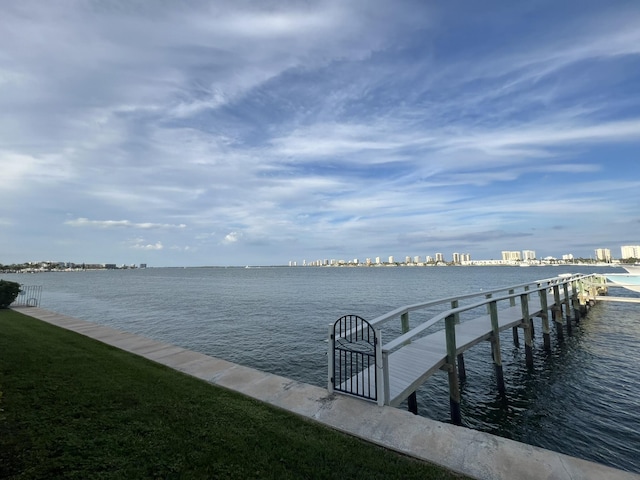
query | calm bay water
[581, 399]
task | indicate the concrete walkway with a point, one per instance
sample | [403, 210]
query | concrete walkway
[475, 454]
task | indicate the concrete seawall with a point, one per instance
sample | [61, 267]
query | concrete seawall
[475, 454]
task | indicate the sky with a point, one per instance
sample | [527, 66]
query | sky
[257, 133]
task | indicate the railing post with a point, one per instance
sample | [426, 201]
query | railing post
[454, 387]
[462, 371]
[556, 311]
[583, 296]
[404, 320]
[544, 308]
[331, 357]
[380, 376]
[385, 371]
[528, 338]
[495, 346]
[533, 330]
[574, 300]
[455, 304]
[412, 400]
[512, 302]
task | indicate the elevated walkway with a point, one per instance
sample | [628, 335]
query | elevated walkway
[361, 364]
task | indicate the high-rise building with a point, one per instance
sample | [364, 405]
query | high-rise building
[603, 255]
[630, 251]
[391, 259]
[511, 256]
[439, 257]
[416, 259]
[528, 255]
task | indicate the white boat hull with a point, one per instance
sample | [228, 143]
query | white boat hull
[628, 281]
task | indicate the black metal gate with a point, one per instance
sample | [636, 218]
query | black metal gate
[354, 363]
[29, 296]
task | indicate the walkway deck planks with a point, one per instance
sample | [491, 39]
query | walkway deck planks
[411, 365]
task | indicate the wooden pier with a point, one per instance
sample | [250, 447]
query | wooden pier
[360, 364]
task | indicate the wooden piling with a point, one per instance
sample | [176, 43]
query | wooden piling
[462, 371]
[556, 312]
[567, 308]
[575, 301]
[544, 314]
[512, 302]
[495, 347]
[454, 387]
[556, 300]
[412, 402]
[526, 323]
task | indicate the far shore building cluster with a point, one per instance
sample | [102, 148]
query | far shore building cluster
[51, 266]
[508, 258]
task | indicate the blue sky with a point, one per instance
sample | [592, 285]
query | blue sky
[233, 133]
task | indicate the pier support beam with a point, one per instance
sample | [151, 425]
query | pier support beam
[556, 312]
[546, 334]
[556, 315]
[567, 307]
[575, 301]
[528, 338]
[516, 339]
[512, 302]
[462, 371]
[495, 347]
[413, 403]
[454, 387]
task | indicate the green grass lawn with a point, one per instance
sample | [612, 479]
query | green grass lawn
[71, 407]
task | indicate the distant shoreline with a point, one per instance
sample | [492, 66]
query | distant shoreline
[475, 263]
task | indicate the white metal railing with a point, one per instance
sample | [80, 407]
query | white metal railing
[582, 286]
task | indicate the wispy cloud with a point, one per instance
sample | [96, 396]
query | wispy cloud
[85, 222]
[149, 246]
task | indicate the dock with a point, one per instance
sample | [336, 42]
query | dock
[388, 373]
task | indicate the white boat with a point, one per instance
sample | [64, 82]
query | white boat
[632, 269]
[630, 280]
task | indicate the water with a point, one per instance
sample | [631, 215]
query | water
[581, 398]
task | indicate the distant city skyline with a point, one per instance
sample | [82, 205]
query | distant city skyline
[600, 254]
[251, 133]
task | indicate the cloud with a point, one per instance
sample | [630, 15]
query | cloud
[85, 222]
[231, 238]
[142, 246]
